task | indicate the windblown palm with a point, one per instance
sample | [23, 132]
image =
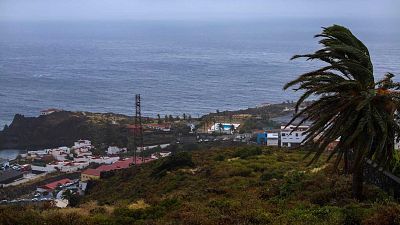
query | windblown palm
[351, 107]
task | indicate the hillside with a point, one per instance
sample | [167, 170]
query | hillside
[233, 185]
[64, 127]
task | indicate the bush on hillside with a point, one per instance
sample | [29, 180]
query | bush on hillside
[219, 157]
[293, 182]
[388, 214]
[176, 161]
[124, 214]
[269, 175]
[248, 151]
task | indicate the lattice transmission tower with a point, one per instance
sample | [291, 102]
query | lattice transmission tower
[138, 131]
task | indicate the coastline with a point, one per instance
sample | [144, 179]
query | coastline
[62, 128]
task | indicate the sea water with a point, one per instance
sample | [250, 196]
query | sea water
[177, 66]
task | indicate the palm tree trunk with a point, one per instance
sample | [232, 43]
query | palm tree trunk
[357, 184]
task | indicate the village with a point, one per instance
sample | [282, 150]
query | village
[72, 168]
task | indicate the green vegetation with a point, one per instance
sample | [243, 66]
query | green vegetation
[176, 161]
[351, 107]
[251, 124]
[246, 152]
[226, 185]
[72, 197]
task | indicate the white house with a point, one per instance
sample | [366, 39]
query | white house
[83, 152]
[104, 160]
[82, 144]
[48, 111]
[60, 154]
[160, 155]
[113, 150]
[224, 127]
[72, 167]
[4, 163]
[291, 137]
[272, 138]
[162, 146]
[81, 159]
[39, 152]
[43, 169]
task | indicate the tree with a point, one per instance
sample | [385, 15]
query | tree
[159, 119]
[350, 107]
[166, 118]
[184, 116]
[72, 197]
[232, 128]
[220, 127]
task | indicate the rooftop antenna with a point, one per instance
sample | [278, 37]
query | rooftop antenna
[138, 134]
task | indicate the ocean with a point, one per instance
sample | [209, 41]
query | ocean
[177, 66]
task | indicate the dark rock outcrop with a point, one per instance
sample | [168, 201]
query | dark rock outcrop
[57, 129]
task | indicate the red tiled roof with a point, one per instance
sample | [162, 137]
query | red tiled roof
[130, 126]
[53, 185]
[92, 172]
[122, 164]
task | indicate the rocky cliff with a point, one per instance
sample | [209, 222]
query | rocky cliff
[62, 129]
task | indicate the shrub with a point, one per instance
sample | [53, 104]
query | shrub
[384, 215]
[269, 192]
[352, 215]
[152, 212]
[219, 157]
[322, 197]
[246, 152]
[224, 205]
[176, 161]
[292, 183]
[269, 175]
[240, 171]
[191, 147]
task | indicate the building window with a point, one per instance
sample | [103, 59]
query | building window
[283, 134]
[297, 134]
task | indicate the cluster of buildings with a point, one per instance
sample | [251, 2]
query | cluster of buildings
[283, 137]
[107, 170]
[77, 158]
[166, 127]
[225, 128]
[65, 159]
[289, 136]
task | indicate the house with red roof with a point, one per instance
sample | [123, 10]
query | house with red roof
[53, 185]
[93, 174]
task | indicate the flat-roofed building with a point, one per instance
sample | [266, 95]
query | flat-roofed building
[292, 136]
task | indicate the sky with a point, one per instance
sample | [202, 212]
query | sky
[72, 10]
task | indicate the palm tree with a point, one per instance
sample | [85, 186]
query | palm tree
[350, 107]
[232, 128]
[72, 197]
[159, 119]
[220, 127]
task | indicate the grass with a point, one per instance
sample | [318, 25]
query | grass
[234, 185]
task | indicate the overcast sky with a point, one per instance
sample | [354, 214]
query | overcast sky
[28, 10]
